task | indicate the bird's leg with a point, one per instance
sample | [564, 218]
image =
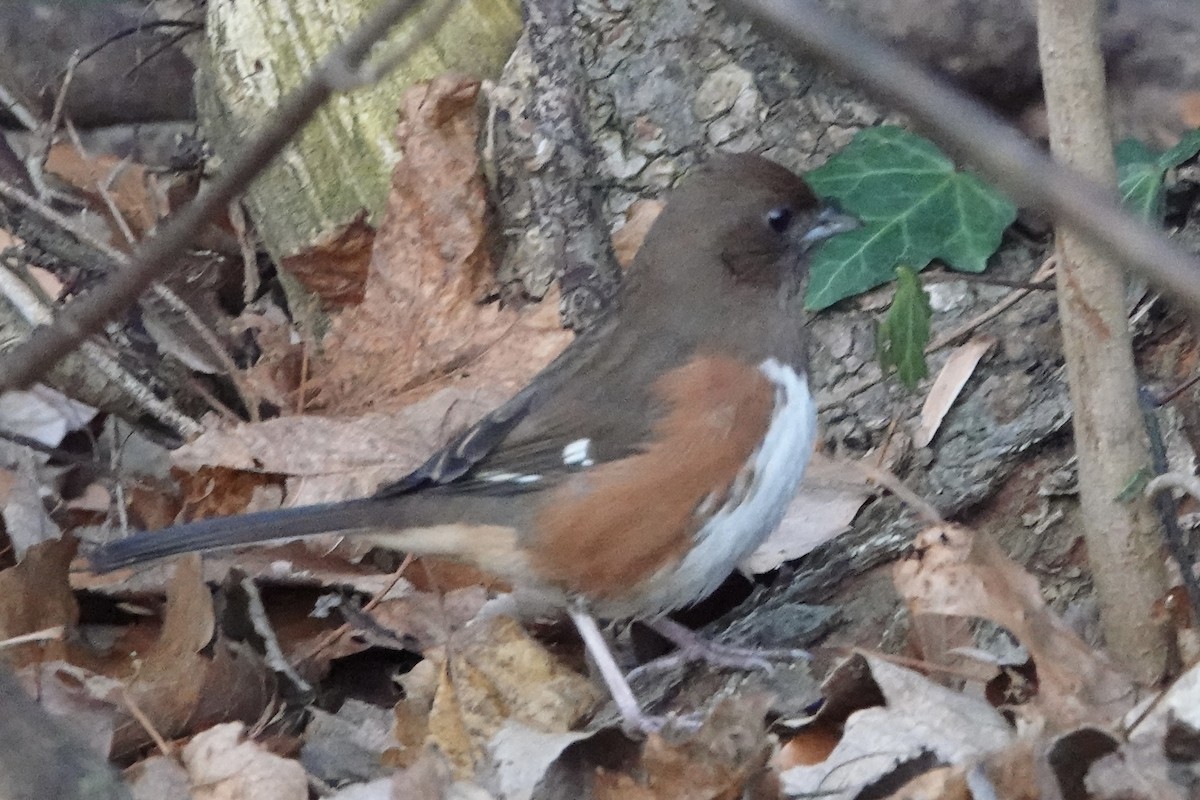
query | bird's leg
[635, 720]
[693, 647]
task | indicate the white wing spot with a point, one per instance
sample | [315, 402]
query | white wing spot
[577, 453]
[508, 477]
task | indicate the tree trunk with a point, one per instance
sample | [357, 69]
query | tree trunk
[1110, 439]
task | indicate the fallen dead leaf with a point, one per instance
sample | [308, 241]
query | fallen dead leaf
[946, 783]
[430, 776]
[223, 766]
[429, 619]
[125, 182]
[347, 747]
[44, 278]
[492, 674]
[410, 723]
[919, 721]
[87, 702]
[192, 676]
[812, 745]
[334, 268]
[825, 505]
[959, 573]
[35, 595]
[278, 371]
[523, 759]
[951, 379]
[43, 414]
[339, 458]
[26, 520]
[219, 492]
[726, 758]
[421, 318]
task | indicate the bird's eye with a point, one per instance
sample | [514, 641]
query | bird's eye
[779, 218]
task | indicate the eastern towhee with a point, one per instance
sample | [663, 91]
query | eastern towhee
[657, 451]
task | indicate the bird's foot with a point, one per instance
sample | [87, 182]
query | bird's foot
[636, 724]
[691, 647]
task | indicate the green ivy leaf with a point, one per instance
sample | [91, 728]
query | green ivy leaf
[1188, 147]
[1140, 180]
[904, 332]
[914, 206]
[1140, 173]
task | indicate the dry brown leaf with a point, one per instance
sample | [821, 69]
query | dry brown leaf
[224, 766]
[726, 758]
[492, 673]
[279, 369]
[812, 745]
[335, 267]
[919, 719]
[946, 783]
[125, 182]
[168, 683]
[35, 595]
[959, 573]
[950, 642]
[347, 747]
[824, 506]
[87, 702]
[949, 383]
[337, 459]
[523, 761]
[421, 318]
[191, 676]
[392, 444]
[430, 619]
[430, 776]
[219, 492]
[1014, 771]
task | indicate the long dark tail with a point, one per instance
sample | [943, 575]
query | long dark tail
[222, 532]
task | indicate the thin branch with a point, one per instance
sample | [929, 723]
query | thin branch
[981, 138]
[56, 115]
[142, 27]
[28, 360]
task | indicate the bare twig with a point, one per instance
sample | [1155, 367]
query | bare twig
[241, 229]
[35, 312]
[54, 634]
[1044, 273]
[56, 115]
[189, 27]
[147, 724]
[18, 109]
[887, 480]
[343, 629]
[180, 306]
[31, 203]
[981, 138]
[47, 345]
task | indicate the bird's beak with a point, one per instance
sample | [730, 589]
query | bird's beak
[830, 222]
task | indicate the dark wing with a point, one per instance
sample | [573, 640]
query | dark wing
[526, 444]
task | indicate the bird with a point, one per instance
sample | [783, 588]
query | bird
[659, 449]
